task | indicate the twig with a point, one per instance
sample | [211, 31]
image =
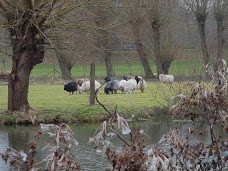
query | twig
[100, 102]
[119, 136]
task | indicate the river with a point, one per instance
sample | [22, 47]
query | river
[18, 137]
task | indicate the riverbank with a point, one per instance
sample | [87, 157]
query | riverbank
[52, 104]
[91, 116]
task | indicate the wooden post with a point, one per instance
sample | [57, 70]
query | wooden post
[92, 84]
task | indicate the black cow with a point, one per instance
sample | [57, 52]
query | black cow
[71, 87]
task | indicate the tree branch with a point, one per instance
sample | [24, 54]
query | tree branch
[100, 102]
[5, 9]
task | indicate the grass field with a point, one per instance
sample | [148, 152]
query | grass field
[177, 68]
[52, 102]
[180, 67]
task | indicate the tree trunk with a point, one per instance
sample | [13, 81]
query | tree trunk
[92, 85]
[201, 25]
[64, 64]
[108, 64]
[27, 52]
[157, 46]
[107, 52]
[18, 83]
[139, 47]
[220, 43]
[165, 64]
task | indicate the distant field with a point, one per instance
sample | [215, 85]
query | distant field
[188, 62]
[177, 68]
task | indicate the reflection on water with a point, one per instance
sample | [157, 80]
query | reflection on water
[19, 136]
[4, 144]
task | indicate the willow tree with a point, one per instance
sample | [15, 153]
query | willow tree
[64, 61]
[171, 34]
[221, 13]
[27, 21]
[154, 16]
[102, 13]
[136, 19]
[164, 22]
[201, 9]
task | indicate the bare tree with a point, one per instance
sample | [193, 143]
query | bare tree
[103, 42]
[103, 20]
[171, 34]
[201, 9]
[27, 21]
[62, 45]
[221, 13]
[153, 12]
[164, 33]
[136, 20]
[65, 63]
[71, 39]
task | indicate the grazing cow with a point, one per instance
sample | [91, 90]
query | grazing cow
[71, 87]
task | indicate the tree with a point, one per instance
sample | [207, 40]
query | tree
[4, 49]
[221, 13]
[163, 33]
[171, 33]
[27, 21]
[136, 20]
[64, 62]
[201, 9]
[70, 40]
[155, 21]
[89, 28]
[103, 43]
[102, 19]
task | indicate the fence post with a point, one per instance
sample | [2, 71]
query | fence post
[92, 84]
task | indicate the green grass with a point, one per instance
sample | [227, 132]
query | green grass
[52, 101]
[177, 68]
[180, 67]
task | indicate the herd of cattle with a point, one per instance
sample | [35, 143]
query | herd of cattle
[126, 85]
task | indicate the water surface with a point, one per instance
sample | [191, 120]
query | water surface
[18, 137]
